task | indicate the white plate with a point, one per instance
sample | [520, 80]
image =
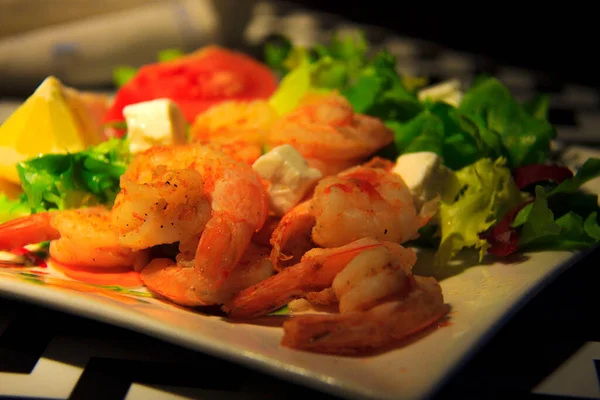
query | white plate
[482, 298]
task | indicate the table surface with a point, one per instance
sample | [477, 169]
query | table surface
[549, 350]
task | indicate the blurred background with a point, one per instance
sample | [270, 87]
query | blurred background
[82, 41]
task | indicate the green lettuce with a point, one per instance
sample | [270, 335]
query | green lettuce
[437, 129]
[482, 194]
[371, 85]
[505, 128]
[86, 178]
[562, 218]
[12, 208]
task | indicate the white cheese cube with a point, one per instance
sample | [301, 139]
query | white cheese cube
[447, 91]
[154, 123]
[290, 175]
[423, 173]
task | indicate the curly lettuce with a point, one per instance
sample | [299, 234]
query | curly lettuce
[480, 196]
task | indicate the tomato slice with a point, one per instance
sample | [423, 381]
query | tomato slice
[196, 82]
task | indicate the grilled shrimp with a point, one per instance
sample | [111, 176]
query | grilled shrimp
[379, 301]
[204, 199]
[316, 271]
[363, 201]
[182, 285]
[83, 237]
[238, 127]
[329, 134]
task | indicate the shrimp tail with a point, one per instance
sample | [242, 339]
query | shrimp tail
[292, 237]
[221, 246]
[179, 290]
[26, 230]
[313, 273]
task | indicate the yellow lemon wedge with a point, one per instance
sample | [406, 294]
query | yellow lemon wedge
[54, 119]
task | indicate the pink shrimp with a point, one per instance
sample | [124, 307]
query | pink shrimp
[379, 301]
[350, 333]
[206, 200]
[83, 237]
[363, 201]
[316, 271]
[329, 134]
[186, 287]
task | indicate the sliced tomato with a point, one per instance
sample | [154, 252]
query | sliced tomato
[196, 82]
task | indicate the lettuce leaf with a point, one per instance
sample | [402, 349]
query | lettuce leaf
[437, 129]
[12, 208]
[505, 127]
[542, 230]
[563, 217]
[276, 51]
[483, 193]
[86, 178]
[379, 91]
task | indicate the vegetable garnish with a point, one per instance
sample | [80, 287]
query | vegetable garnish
[63, 181]
[12, 208]
[482, 194]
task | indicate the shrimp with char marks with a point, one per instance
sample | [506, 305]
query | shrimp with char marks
[215, 203]
[82, 237]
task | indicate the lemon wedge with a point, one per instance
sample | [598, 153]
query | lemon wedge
[54, 119]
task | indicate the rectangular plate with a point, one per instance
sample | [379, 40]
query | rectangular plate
[482, 297]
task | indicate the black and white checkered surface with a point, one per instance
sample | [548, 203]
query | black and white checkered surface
[548, 350]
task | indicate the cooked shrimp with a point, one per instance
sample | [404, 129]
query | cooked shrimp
[357, 203]
[327, 132]
[292, 237]
[216, 205]
[380, 300]
[82, 237]
[316, 271]
[186, 287]
[363, 202]
[239, 127]
[170, 207]
[372, 276]
[353, 332]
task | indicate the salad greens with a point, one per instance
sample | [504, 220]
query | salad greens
[11, 209]
[503, 127]
[546, 223]
[481, 195]
[481, 135]
[63, 181]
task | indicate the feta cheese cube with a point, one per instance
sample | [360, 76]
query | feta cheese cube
[290, 175]
[154, 123]
[423, 173]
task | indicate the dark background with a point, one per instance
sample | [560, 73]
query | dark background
[560, 40]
